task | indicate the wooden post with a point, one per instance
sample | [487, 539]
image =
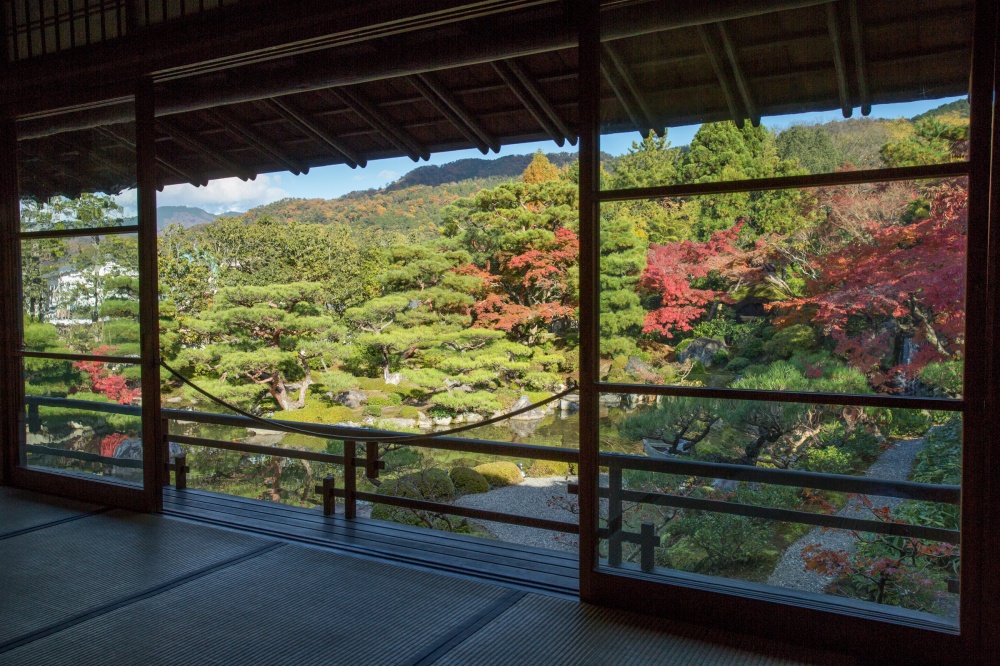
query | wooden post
[326, 490]
[155, 450]
[180, 472]
[371, 460]
[350, 480]
[647, 546]
[614, 516]
[12, 428]
[34, 421]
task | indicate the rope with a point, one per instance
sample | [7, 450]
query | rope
[284, 425]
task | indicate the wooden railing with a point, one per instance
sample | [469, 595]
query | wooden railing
[616, 492]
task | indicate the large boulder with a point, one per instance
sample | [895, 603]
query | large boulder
[351, 399]
[530, 415]
[702, 350]
[131, 449]
[636, 366]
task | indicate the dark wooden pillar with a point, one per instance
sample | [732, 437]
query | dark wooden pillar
[155, 449]
[11, 386]
[590, 127]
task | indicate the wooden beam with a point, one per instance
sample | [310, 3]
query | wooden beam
[720, 72]
[224, 118]
[532, 89]
[618, 89]
[449, 106]
[742, 84]
[633, 87]
[286, 110]
[833, 25]
[527, 101]
[857, 37]
[170, 129]
[384, 125]
[111, 135]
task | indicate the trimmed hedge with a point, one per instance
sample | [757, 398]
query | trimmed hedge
[500, 474]
[544, 468]
[429, 484]
[468, 481]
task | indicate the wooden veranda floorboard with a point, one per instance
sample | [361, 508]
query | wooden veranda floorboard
[510, 564]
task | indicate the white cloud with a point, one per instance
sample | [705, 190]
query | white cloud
[225, 194]
[388, 175]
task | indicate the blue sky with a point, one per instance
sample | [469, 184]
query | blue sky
[232, 194]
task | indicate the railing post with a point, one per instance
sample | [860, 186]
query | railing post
[371, 460]
[34, 422]
[647, 546]
[614, 516]
[180, 472]
[326, 490]
[350, 480]
[165, 429]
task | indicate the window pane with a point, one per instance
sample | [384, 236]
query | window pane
[917, 572]
[852, 289]
[101, 436]
[81, 295]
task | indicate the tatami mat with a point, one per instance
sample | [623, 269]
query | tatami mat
[22, 510]
[49, 576]
[294, 605]
[551, 631]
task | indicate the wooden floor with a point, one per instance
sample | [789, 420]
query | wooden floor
[525, 567]
[84, 585]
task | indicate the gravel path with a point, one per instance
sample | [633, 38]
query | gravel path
[894, 464]
[530, 498]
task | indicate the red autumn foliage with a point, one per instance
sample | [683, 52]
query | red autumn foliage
[528, 290]
[110, 443]
[669, 272]
[897, 281]
[104, 382]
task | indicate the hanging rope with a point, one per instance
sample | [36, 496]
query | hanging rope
[283, 425]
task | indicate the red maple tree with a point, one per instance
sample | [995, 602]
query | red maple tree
[899, 282]
[670, 271]
[105, 382]
[110, 443]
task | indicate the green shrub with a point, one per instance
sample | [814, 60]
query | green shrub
[829, 460]
[373, 384]
[430, 484]
[940, 461]
[390, 400]
[468, 481]
[337, 381]
[317, 412]
[545, 468]
[373, 410]
[500, 474]
[753, 348]
[792, 340]
[482, 402]
[404, 457]
[946, 377]
[737, 365]
[720, 357]
[619, 362]
[408, 412]
[682, 345]
[903, 422]
[861, 443]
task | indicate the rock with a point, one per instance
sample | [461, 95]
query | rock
[472, 417]
[702, 350]
[458, 418]
[636, 366]
[413, 304]
[174, 400]
[424, 422]
[441, 420]
[630, 400]
[131, 449]
[393, 378]
[352, 399]
[656, 448]
[463, 388]
[530, 415]
[610, 399]
[521, 403]
[397, 423]
[523, 429]
[569, 403]
[263, 431]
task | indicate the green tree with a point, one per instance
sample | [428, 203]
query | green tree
[811, 146]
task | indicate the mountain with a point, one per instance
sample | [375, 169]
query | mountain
[959, 106]
[186, 216]
[510, 166]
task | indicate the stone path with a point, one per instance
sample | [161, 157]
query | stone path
[894, 464]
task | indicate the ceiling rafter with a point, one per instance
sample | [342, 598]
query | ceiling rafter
[531, 97]
[633, 88]
[176, 134]
[720, 72]
[448, 105]
[225, 119]
[857, 38]
[839, 65]
[742, 84]
[194, 179]
[384, 125]
[298, 118]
